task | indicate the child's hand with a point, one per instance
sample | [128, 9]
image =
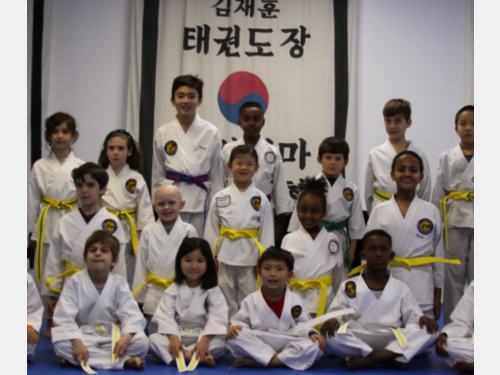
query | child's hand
[329, 327]
[233, 332]
[320, 340]
[121, 346]
[429, 323]
[51, 306]
[175, 345]
[436, 309]
[441, 342]
[32, 336]
[80, 351]
[201, 348]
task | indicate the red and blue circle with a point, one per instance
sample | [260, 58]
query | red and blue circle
[239, 88]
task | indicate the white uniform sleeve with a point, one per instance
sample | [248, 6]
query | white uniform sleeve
[145, 214]
[217, 318]
[165, 312]
[128, 311]
[424, 191]
[438, 268]
[281, 196]
[439, 192]
[34, 305]
[462, 318]
[34, 200]
[214, 173]
[340, 302]
[242, 317]
[65, 327]
[141, 271]
[356, 220]
[54, 266]
[212, 226]
[266, 230]
[158, 164]
[369, 184]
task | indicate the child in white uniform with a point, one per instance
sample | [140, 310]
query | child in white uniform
[378, 184]
[97, 323]
[387, 325]
[155, 268]
[239, 228]
[35, 314]
[51, 190]
[127, 195]
[192, 315]
[319, 265]
[187, 152]
[454, 196]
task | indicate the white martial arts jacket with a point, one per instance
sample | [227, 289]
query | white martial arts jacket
[34, 305]
[68, 243]
[125, 192]
[194, 309]
[240, 210]
[194, 153]
[81, 309]
[156, 255]
[462, 325]
[378, 174]
[314, 259]
[49, 178]
[454, 173]
[419, 234]
[270, 178]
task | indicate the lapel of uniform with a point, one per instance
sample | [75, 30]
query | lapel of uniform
[193, 305]
[315, 251]
[366, 301]
[114, 196]
[99, 300]
[165, 248]
[267, 316]
[389, 186]
[57, 187]
[287, 321]
[467, 179]
[192, 161]
[242, 214]
[305, 249]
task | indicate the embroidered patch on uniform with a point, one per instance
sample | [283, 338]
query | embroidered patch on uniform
[255, 202]
[206, 304]
[130, 185]
[171, 148]
[425, 226]
[223, 202]
[348, 194]
[350, 289]
[296, 311]
[269, 157]
[334, 246]
[110, 226]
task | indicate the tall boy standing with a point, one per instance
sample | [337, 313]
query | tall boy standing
[187, 152]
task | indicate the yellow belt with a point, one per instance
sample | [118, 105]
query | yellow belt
[133, 230]
[409, 262]
[50, 203]
[455, 195]
[155, 280]
[70, 271]
[241, 233]
[382, 196]
[314, 284]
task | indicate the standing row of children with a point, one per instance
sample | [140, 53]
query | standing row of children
[240, 221]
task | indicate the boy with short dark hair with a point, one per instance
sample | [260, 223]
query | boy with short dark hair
[379, 186]
[254, 337]
[344, 215]
[186, 152]
[97, 323]
[387, 325]
[67, 243]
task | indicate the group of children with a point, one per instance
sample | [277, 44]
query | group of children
[210, 261]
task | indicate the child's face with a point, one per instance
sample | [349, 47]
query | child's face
[243, 168]
[407, 174]
[274, 274]
[168, 203]
[310, 211]
[332, 164]
[396, 126]
[251, 121]
[117, 152]
[465, 127]
[61, 137]
[193, 266]
[377, 253]
[99, 258]
[88, 191]
[185, 101]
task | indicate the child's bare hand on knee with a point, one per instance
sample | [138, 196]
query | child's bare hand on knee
[329, 327]
[80, 351]
[441, 342]
[121, 346]
[320, 340]
[232, 333]
[175, 345]
[430, 324]
[201, 348]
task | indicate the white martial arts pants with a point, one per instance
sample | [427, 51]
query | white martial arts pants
[31, 352]
[159, 343]
[235, 283]
[298, 353]
[196, 219]
[460, 348]
[461, 241]
[99, 348]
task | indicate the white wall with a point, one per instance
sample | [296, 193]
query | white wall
[416, 50]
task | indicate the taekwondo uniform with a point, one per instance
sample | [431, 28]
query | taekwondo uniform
[99, 320]
[270, 178]
[379, 186]
[455, 189]
[318, 267]
[390, 321]
[264, 334]
[190, 161]
[189, 314]
[127, 197]
[68, 243]
[236, 211]
[460, 332]
[35, 313]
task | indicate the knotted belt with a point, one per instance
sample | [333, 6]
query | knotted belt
[120, 215]
[70, 271]
[455, 195]
[321, 283]
[155, 280]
